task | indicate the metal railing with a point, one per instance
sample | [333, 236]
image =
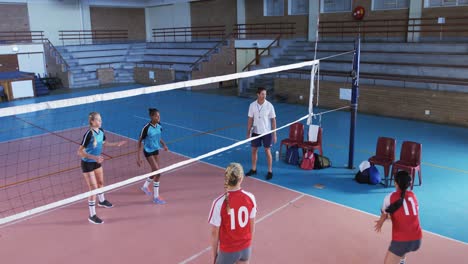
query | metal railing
[262, 30]
[188, 33]
[445, 29]
[93, 36]
[405, 79]
[8, 37]
[143, 64]
[210, 51]
[256, 60]
[21, 36]
[407, 30]
[55, 53]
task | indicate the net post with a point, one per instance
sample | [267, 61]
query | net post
[354, 100]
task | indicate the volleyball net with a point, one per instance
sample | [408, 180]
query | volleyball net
[40, 167]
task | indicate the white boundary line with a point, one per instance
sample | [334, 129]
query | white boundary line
[113, 190]
[335, 203]
[191, 129]
[194, 256]
[39, 135]
[321, 199]
[81, 196]
[129, 182]
[69, 204]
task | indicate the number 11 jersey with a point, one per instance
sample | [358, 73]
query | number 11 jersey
[405, 220]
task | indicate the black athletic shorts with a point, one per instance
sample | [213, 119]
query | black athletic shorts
[147, 154]
[89, 166]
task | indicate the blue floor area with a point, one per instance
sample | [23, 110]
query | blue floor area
[79, 92]
[195, 123]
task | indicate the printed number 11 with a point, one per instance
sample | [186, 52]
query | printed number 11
[413, 206]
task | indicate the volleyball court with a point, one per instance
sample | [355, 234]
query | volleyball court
[43, 193]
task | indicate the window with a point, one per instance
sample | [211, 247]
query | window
[273, 7]
[330, 6]
[298, 7]
[389, 4]
[439, 3]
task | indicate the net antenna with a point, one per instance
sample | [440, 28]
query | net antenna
[315, 57]
[313, 73]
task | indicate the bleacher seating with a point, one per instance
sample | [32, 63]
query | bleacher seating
[416, 65]
[86, 59]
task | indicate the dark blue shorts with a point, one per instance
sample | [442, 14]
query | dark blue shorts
[262, 141]
[400, 248]
[147, 154]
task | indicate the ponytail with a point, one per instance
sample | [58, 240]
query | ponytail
[403, 180]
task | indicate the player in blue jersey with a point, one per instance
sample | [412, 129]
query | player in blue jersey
[151, 141]
[90, 152]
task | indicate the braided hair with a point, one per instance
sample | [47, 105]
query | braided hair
[403, 180]
[233, 174]
[91, 118]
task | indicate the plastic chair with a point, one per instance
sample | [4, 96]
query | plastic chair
[384, 154]
[296, 136]
[410, 161]
[309, 145]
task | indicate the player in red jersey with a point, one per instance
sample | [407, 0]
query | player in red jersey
[232, 217]
[403, 208]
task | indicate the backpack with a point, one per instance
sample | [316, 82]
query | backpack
[321, 162]
[308, 161]
[370, 175]
[374, 175]
[292, 155]
[362, 176]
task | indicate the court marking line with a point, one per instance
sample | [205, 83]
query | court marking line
[444, 167]
[286, 188]
[109, 156]
[196, 255]
[195, 130]
[55, 173]
[47, 130]
[79, 201]
[215, 135]
[329, 145]
[209, 132]
[39, 135]
[331, 202]
[55, 134]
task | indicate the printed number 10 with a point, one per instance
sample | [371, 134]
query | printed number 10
[242, 217]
